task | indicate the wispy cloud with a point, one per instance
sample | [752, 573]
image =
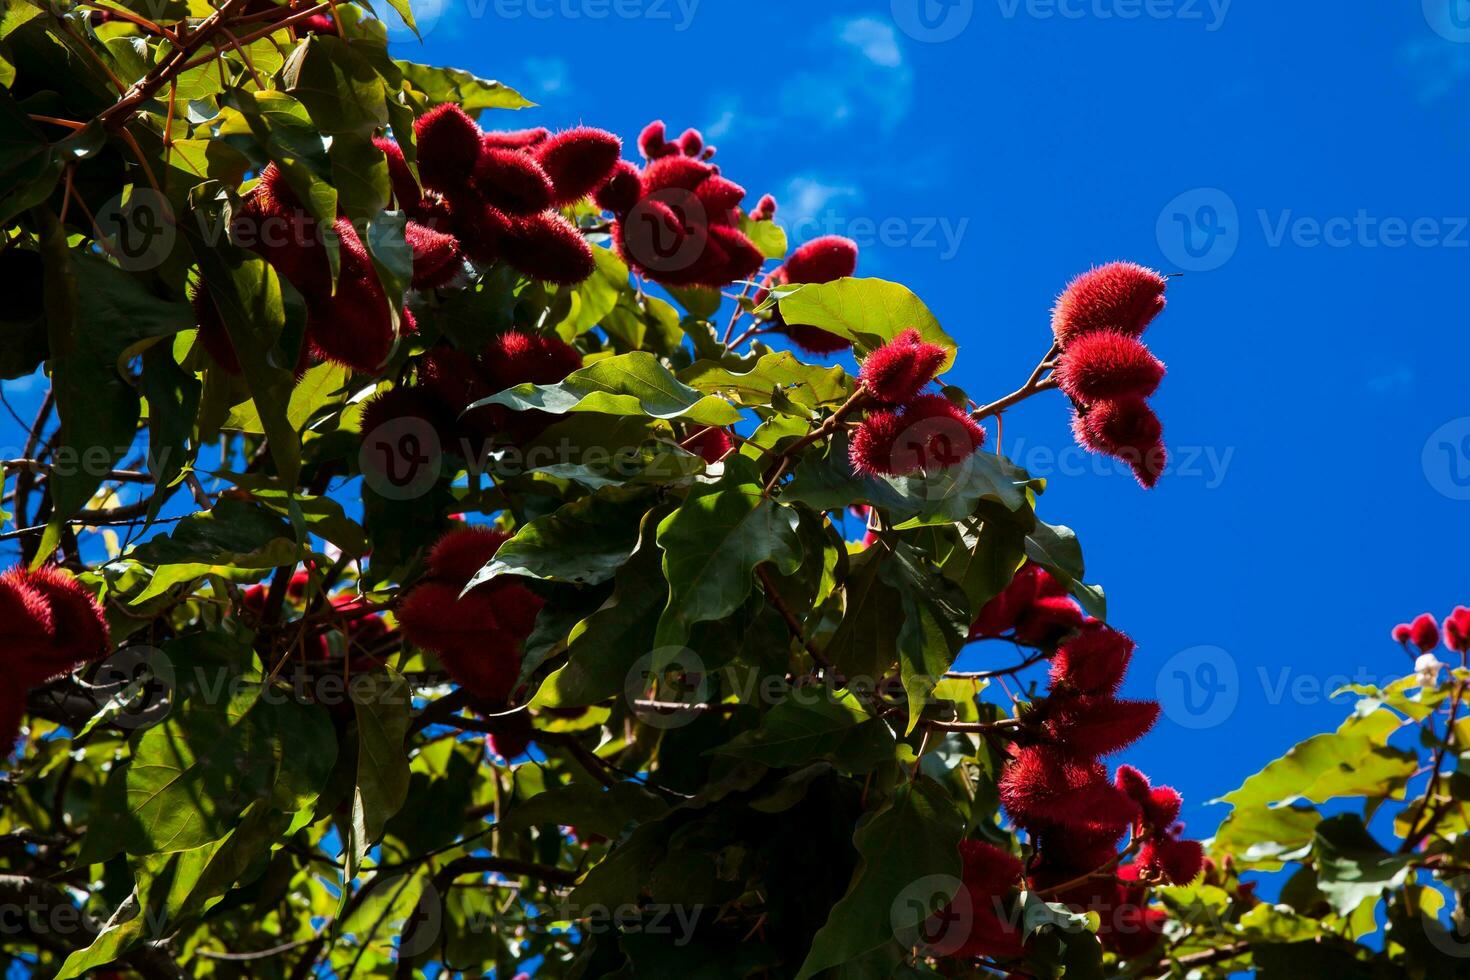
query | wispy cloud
[1399, 377]
[546, 77]
[807, 201]
[1437, 68]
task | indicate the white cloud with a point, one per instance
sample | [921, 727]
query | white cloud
[875, 39]
[546, 77]
[807, 206]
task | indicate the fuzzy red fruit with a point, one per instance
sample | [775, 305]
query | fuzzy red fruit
[513, 734]
[448, 146]
[352, 325]
[823, 260]
[711, 444]
[520, 358]
[548, 247]
[765, 209]
[52, 603]
[213, 333]
[653, 141]
[1457, 630]
[871, 450]
[1029, 584]
[692, 142]
[405, 404]
[1113, 427]
[1148, 466]
[461, 553]
[1095, 726]
[1129, 927]
[406, 191]
[620, 194]
[988, 874]
[1092, 662]
[1120, 296]
[513, 182]
[1177, 862]
[935, 435]
[1042, 787]
[815, 340]
[578, 161]
[435, 256]
[1106, 365]
[1162, 807]
[1424, 632]
[464, 631]
[515, 139]
[898, 371]
[483, 231]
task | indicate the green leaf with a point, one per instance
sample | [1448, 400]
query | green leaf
[597, 297]
[768, 236]
[935, 624]
[592, 809]
[712, 545]
[1265, 837]
[343, 92]
[384, 711]
[584, 542]
[814, 723]
[1352, 867]
[236, 536]
[173, 404]
[284, 129]
[869, 312]
[807, 385]
[452, 85]
[914, 835]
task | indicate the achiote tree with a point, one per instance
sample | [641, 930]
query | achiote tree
[437, 556]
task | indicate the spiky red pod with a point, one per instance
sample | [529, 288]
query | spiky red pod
[483, 231]
[823, 260]
[765, 209]
[1161, 809]
[1177, 862]
[316, 24]
[435, 255]
[1129, 928]
[871, 449]
[1120, 296]
[1457, 630]
[73, 624]
[1095, 726]
[1093, 662]
[448, 147]
[978, 928]
[620, 194]
[515, 139]
[898, 371]
[513, 182]
[1047, 621]
[691, 142]
[1030, 583]
[936, 434]
[402, 404]
[515, 357]
[578, 161]
[548, 247]
[720, 197]
[1106, 365]
[653, 141]
[353, 325]
[1043, 787]
[675, 173]
[1424, 632]
[712, 444]
[459, 554]
[406, 192]
[273, 224]
[729, 257]
[213, 333]
[465, 632]
[815, 340]
[1116, 426]
[513, 734]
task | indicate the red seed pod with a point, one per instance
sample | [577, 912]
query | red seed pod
[459, 554]
[465, 632]
[436, 259]
[712, 444]
[720, 197]
[653, 141]
[516, 358]
[823, 260]
[512, 736]
[27, 630]
[353, 325]
[898, 370]
[1177, 862]
[936, 434]
[548, 247]
[406, 192]
[1424, 632]
[1093, 662]
[483, 231]
[1457, 630]
[973, 925]
[1114, 426]
[1029, 584]
[74, 624]
[675, 173]
[620, 194]
[578, 161]
[1105, 365]
[1047, 621]
[871, 449]
[513, 182]
[1093, 726]
[1121, 296]
[1043, 787]
[448, 147]
[692, 143]
[516, 139]
[402, 404]
[765, 209]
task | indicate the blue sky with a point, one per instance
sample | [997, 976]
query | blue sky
[1304, 169]
[988, 153]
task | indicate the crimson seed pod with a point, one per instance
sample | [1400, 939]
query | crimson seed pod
[436, 259]
[1105, 365]
[513, 182]
[578, 161]
[548, 247]
[448, 146]
[406, 192]
[823, 260]
[898, 370]
[1121, 296]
